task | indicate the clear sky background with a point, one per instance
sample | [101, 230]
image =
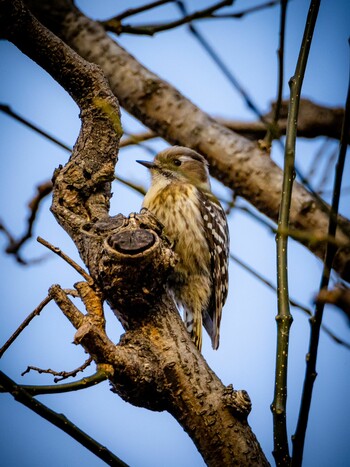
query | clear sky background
[246, 357]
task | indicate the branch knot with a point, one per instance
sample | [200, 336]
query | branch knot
[237, 401]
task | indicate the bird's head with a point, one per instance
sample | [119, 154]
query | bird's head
[180, 164]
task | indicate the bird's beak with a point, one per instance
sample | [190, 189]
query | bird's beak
[149, 165]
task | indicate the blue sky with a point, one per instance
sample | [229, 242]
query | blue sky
[246, 356]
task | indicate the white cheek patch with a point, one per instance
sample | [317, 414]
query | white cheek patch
[191, 159]
[185, 159]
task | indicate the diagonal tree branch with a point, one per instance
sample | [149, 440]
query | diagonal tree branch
[59, 420]
[140, 9]
[114, 24]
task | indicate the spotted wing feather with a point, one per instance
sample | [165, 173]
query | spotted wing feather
[217, 236]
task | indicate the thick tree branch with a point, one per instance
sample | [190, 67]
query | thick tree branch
[234, 160]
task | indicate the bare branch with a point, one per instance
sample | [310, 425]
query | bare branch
[247, 11]
[137, 138]
[316, 321]
[284, 318]
[339, 296]
[26, 322]
[7, 110]
[140, 9]
[60, 421]
[221, 65]
[63, 374]
[89, 381]
[328, 298]
[272, 130]
[66, 258]
[14, 245]
[114, 24]
[140, 189]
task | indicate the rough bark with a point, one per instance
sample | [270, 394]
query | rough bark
[155, 365]
[234, 160]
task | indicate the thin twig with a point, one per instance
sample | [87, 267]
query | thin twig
[316, 321]
[335, 338]
[273, 128]
[224, 69]
[60, 421]
[63, 374]
[258, 217]
[294, 303]
[83, 383]
[338, 296]
[137, 138]
[140, 9]
[247, 11]
[328, 169]
[114, 24]
[25, 323]
[139, 188]
[14, 245]
[312, 238]
[33, 314]
[280, 53]
[66, 258]
[319, 154]
[12, 240]
[140, 143]
[284, 318]
[42, 191]
[151, 29]
[7, 110]
[345, 191]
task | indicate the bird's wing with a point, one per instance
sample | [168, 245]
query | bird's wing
[217, 236]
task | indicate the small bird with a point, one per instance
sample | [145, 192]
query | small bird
[180, 198]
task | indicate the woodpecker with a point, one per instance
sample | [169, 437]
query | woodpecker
[180, 198]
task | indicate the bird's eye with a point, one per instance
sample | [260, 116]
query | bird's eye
[177, 162]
